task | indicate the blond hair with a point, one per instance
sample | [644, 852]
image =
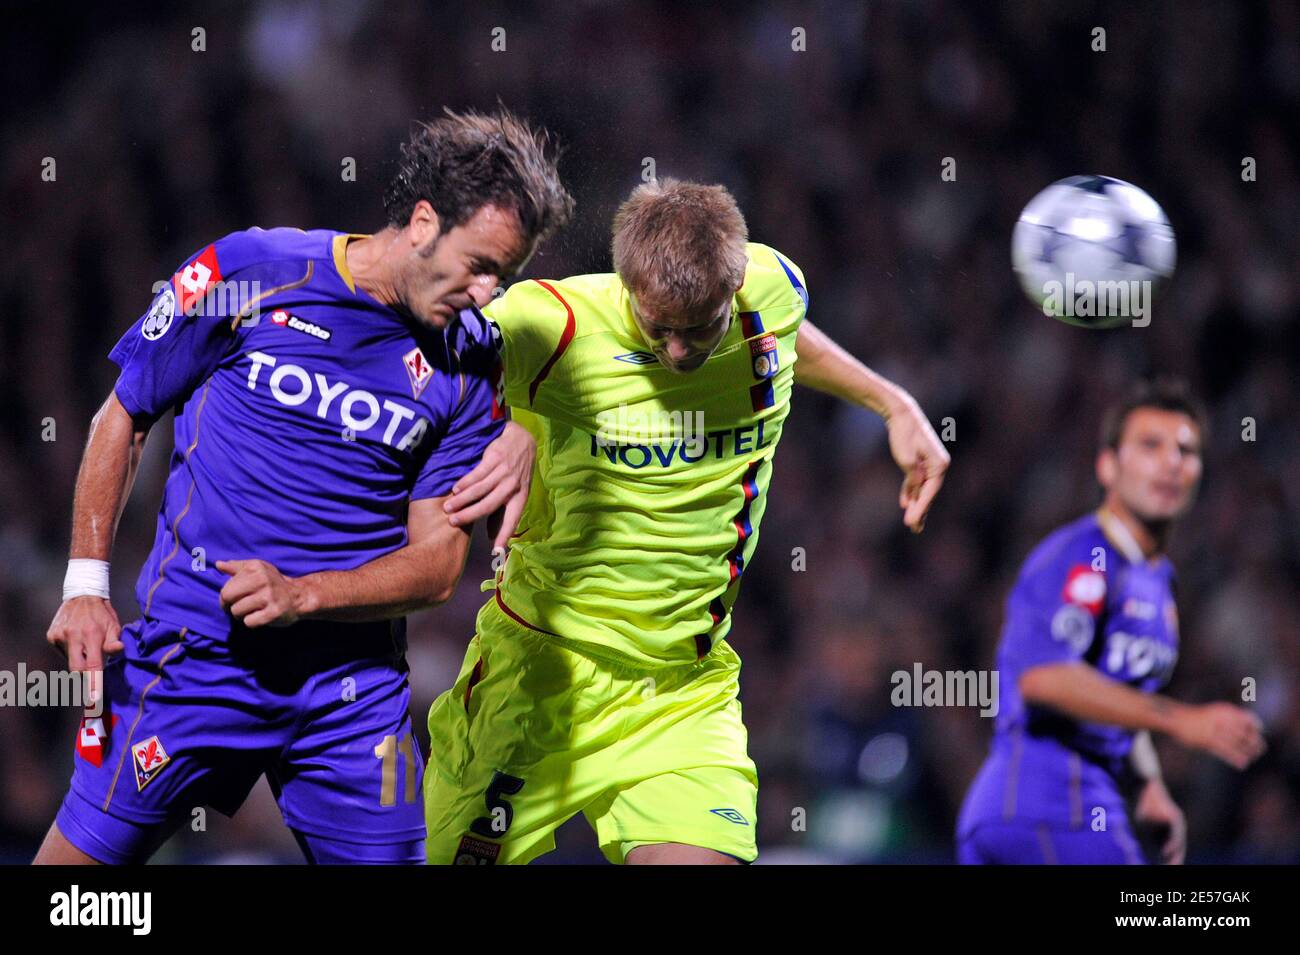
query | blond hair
[680, 245]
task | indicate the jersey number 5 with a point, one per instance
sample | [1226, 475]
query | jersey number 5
[501, 813]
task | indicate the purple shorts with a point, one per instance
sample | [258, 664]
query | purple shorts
[1025, 842]
[191, 721]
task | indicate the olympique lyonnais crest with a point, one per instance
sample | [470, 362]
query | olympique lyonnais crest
[150, 759]
[763, 351]
[418, 369]
[474, 851]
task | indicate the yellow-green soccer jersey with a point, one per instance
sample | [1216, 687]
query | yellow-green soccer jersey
[650, 485]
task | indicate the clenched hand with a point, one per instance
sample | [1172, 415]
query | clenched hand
[258, 594]
[501, 479]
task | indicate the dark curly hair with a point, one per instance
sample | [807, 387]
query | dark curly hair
[1167, 394]
[464, 161]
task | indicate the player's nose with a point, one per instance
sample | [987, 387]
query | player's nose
[481, 293]
[677, 348]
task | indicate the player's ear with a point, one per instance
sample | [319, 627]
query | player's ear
[424, 225]
[1107, 467]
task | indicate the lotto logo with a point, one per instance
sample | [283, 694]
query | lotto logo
[193, 281]
[285, 320]
[195, 277]
[1086, 588]
[91, 737]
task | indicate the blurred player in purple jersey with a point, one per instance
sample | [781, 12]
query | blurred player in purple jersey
[1091, 635]
[330, 391]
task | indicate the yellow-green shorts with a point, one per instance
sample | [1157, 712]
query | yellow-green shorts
[535, 732]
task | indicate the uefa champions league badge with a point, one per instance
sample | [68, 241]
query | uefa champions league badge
[763, 351]
[418, 369]
[150, 759]
[160, 315]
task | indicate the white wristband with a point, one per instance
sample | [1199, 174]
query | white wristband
[86, 578]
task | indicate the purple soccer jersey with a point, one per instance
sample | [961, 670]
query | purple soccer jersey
[301, 433]
[308, 414]
[1086, 594]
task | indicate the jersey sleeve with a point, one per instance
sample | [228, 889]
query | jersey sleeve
[179, 341]
[478, 414]
[794, 275]
[1055, 610]
[774, 289]
[535, 326]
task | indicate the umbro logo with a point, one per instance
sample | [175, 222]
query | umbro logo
[637, 358]
[731, 815]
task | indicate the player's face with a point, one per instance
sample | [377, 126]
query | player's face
[682, 343]
[461, 267]
[1157, 467]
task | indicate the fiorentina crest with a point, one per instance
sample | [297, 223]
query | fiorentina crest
[419, 370]
[149, 758]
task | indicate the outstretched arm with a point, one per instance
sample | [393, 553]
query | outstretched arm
[1231, 733]
[825, 366]
[86, 627]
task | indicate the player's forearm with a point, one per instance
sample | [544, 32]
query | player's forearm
[1142, 756]
[108, 469]
[1079, 691]
[825, 366]
[407, 580]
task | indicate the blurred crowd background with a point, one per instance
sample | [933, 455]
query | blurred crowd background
[835, 154]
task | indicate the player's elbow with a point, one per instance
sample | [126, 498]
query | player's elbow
[440, 595]
[435, 567]
[440, 589]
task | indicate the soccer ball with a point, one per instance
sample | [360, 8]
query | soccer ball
[1093, 251]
